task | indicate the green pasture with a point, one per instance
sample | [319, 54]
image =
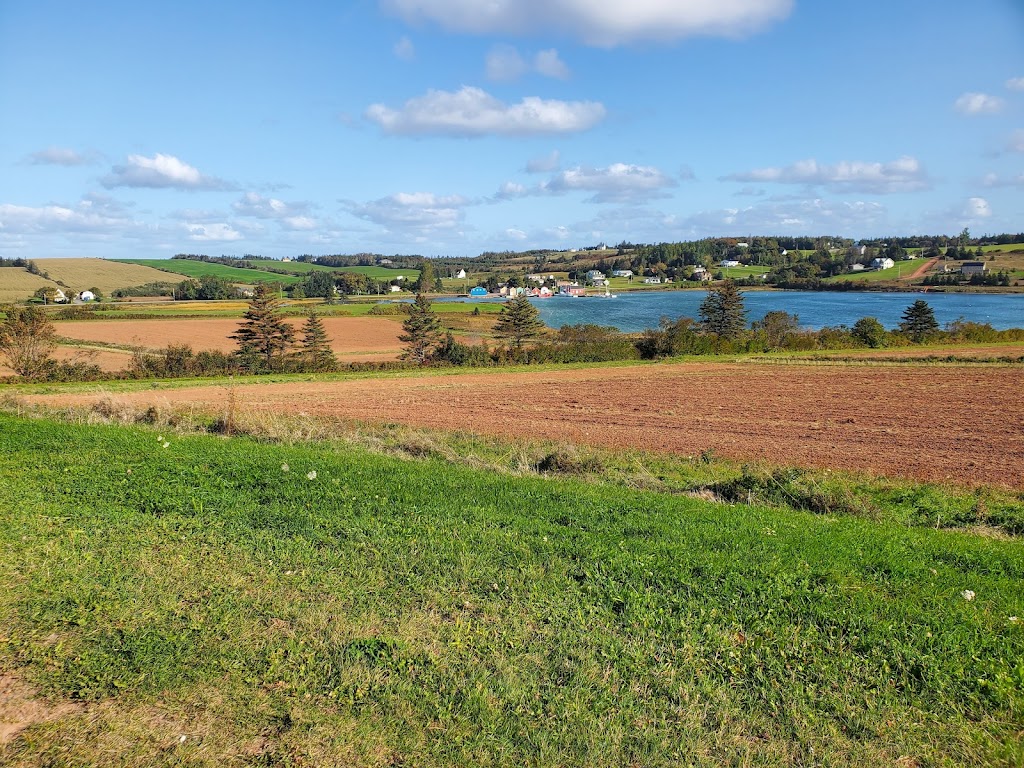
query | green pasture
[212, 601]
[902, 269]
[196, 269]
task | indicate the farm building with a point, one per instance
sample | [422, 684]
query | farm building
[973, 268]
[86, 296]
[460, 275]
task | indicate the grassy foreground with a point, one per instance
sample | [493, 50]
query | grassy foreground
[320, 605]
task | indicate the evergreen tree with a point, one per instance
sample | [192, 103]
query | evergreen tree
[428, 279]
[518, 320]
[26, 340]
[422, 331]
[264, 335]
[918, 321]
[316, 346]
[722, 311]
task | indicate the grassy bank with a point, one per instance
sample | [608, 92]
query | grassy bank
[319, 604]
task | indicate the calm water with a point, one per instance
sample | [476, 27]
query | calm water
[637, 311]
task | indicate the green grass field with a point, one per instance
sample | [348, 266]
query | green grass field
[902, 269]
[196, 269]
[233, 602]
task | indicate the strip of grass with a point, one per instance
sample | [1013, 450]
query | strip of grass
[196, 269]
[385, 611]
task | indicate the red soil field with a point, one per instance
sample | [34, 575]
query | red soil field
[959, 423]
[349, 335]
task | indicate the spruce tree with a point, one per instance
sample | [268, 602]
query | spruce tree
[722, 312]
[264, 335]
[316, 346]
[918, 321]
[422, 331]
[518, 320]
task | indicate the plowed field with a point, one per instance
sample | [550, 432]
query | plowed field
[958, 423]
[349, 335]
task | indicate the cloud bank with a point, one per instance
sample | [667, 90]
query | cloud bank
[160, 172]
[606, 24]
[905, 174]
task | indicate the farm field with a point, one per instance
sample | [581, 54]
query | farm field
[920, 421]
[17, 285]
[349, 335]
[234, 602]
[196, 269]
[107, 275]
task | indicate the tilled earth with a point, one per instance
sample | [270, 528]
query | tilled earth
[959, 423]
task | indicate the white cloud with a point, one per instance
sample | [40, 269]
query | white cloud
[515, 234]
[1015, 83]
[288, 215]
[160, 172]
[219, 232]
[61, 156]
[616, 183]
[607, 23]
[417, 212]
[995, 180]
[404, 49]
[473, 112]
[95, 214]
[510, 190]
[977, 208]
[549, 64]
[505, 64]
[905, 174]
[978, 104]
[544, 164]
[790, 217]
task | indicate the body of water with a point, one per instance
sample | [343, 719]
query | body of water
[637, 311]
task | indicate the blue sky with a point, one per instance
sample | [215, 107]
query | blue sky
[452, 127]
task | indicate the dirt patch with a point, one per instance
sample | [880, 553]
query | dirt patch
[21, 708]
[926, 422]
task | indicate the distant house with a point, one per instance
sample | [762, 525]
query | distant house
[728, 263]
[571, 289]
[742, 245]
[883, 262]
[86, 296]
[460, 275]
[286, 259]
[384, 262]
[701, 274]
[858, 267]
[595, 274]
[622, 273]
[535, 278]
[58, 296]
[652, 281]
[973, 268]
[478, 291]
[396, 289]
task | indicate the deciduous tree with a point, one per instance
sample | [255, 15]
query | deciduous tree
[27, 339]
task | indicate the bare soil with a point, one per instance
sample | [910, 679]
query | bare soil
[957, 423]
[20, 707]
[349, 335]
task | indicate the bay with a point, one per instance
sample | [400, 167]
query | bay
[631, 312]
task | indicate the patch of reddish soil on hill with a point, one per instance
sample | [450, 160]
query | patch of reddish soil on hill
[936, 423]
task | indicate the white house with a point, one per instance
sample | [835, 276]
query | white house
[858, 267]
[652, 281]
[728, 263]
[396, 289]
[622, 273]
[595, 274]
[535, 278]
[460, 275]
[742, 245]
[973, 268]
[86, 296]
[883, 263]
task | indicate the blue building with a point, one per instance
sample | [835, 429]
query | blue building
[478, 291]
